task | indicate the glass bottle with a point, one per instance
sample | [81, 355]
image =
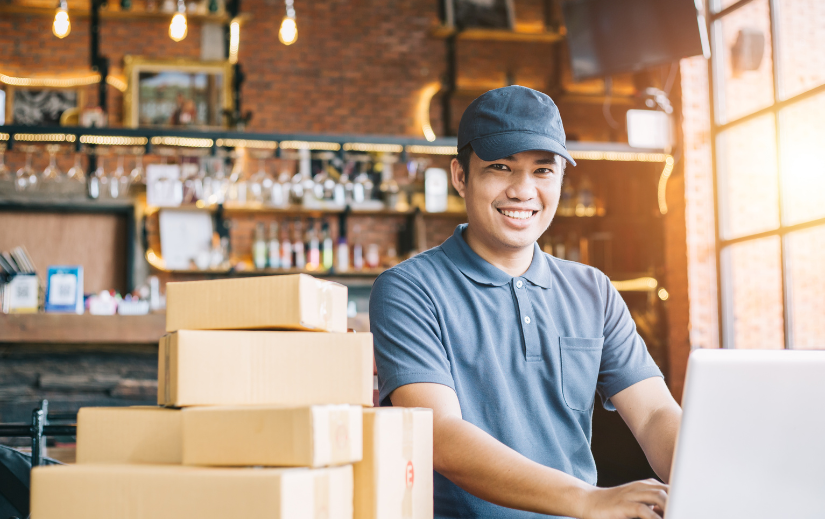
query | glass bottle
[5, 172]
[313, 248]
[286, 248]
[326, 248]
[274, 247]
[298, 247]
[259, 247]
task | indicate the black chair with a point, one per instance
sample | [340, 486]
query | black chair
[15, 466]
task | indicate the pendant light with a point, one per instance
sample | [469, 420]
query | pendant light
[289, 29]
[61, 26]
[178, 28]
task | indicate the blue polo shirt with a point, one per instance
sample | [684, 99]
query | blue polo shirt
[526, 355]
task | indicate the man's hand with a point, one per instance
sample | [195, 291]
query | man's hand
[641, 499]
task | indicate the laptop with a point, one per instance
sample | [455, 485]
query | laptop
[752, 439]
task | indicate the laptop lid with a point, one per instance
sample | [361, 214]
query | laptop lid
[752, 439]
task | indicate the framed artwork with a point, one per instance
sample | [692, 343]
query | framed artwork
[40, 106]
[176, 93]
[480, 14]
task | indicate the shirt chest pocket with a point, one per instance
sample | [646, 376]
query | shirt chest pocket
[580, 361]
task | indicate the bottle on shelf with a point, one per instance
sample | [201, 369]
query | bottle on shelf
[567, 199]
[585, 198]
[342, 254]
[572, 248]
[298, 246]
[326, 248]
[313, 248]
[357, 251]
[286, 247]
[373, 256]
[274, 247]
[259, 247]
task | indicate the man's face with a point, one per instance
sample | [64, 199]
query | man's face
[511, 201]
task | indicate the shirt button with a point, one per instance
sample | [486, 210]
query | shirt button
[519, 284]
[527, 319]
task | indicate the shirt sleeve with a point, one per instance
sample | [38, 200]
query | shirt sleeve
[406, 335]
[625, 359]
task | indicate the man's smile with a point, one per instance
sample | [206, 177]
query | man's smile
[518, 214]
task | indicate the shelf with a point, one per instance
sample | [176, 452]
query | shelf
[82, 329]
[307, 211]
[365, 273]
[444, 31]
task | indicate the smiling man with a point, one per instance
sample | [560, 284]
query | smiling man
[509, 345]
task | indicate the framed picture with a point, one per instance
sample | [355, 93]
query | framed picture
[40, 106]
[176, 93]
[480, 14]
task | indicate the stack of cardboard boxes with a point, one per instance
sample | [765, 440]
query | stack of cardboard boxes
[252, 422]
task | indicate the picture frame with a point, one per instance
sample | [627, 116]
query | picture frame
[41, 106]
[176, 93]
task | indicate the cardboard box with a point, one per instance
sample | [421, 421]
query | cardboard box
[177, 492]
[395, 478]
[129, 435]
[294, 302]
[315, 436]
[264, 368]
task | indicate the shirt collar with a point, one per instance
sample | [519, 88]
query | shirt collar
[479, 270]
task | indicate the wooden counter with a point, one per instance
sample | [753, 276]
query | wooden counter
[82, 329]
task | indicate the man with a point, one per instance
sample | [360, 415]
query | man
[508, 345]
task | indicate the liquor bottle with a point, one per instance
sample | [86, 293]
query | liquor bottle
[313, 248]
[259, 247]
[274, 247]
[357, 251]
[343, 254]
[373, 256]
[567, 200]
[286, 248]
[298, 247]
[585, 199]
[326, 248]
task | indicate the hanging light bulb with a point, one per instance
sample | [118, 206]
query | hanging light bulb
[61, 26]
[289, 29]
[178, 28]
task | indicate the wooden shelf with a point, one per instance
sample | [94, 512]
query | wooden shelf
[444, 31]
[307, 211]
[82, 329]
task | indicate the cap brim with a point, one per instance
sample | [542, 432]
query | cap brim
[494, 147]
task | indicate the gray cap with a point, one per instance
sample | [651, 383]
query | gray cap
[509, 120]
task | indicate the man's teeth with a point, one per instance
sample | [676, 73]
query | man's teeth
[521, 215]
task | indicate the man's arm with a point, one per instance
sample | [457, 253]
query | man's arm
[653, 417]
[488, 469]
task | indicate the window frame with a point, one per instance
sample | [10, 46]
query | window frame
[715, 72]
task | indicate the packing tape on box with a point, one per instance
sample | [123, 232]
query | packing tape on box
[409, 469]
[325, 301]
[339, 438]
[321, 491]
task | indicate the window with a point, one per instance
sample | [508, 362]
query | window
[768, 100]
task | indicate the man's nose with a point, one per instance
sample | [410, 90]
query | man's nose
[522, 187]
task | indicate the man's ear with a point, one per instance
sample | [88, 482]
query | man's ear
[458, 177]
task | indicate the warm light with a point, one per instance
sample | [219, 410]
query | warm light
[662, 191]
[663, 295]
[61, 26]
[289, 31]
[424, 109]
[234, 41]
[178, 28]
[644, 284]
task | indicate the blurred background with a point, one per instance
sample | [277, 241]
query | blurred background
[149, 141]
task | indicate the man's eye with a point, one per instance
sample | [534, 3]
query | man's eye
[544, 171]
[501, 167]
